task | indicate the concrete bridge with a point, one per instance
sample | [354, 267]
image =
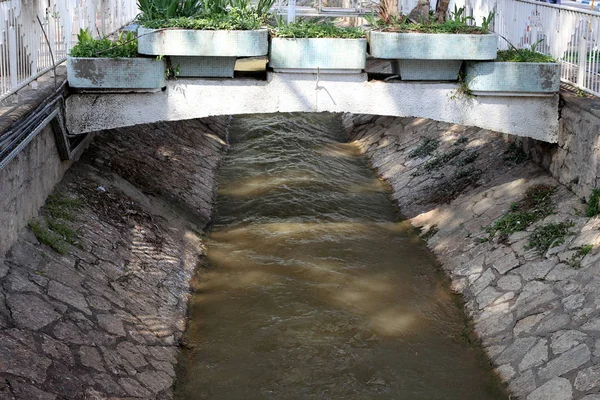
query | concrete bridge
[525, 116]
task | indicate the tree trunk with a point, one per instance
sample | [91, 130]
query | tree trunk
[441, 9]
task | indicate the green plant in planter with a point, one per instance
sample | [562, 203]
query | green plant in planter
[524, 55]
[457, 22]
[315, 29]
[207, 15]
[87, 46]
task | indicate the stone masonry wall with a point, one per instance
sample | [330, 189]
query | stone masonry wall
[537, 313]
[26, 182]
[575, 160]
[93, 296]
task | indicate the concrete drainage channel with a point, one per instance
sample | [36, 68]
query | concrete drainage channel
[104, 319]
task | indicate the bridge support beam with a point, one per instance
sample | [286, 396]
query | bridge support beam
[535, 117]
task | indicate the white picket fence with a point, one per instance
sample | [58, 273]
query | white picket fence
[29, 48]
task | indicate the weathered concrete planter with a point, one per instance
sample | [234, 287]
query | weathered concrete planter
[203, 53]
[419, 55]
[115, 73]
[513, 77]
[327, 55]
[188, 42]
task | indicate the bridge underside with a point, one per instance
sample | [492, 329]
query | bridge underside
[527, 116]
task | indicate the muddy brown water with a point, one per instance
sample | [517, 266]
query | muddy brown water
[314, 288]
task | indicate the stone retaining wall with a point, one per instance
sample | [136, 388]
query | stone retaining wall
[575, 159]
[26, 182]
[104, 319]
[537, 315]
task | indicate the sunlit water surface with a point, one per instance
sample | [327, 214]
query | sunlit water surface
[314, 288]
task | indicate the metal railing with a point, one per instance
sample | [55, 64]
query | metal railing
[569, 34]
[36, 35]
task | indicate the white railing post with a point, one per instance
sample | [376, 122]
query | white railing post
[291, 11]
[581, 62]
[13, 53]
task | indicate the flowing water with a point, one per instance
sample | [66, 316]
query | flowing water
[314, 288]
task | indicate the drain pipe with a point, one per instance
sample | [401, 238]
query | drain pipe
[13, 141]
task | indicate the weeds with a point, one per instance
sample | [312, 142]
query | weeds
[441, 160]
[515, 154]
[575, 260]
[523, 55]
[462, 179]
[48, 237]
[312, 29]
[535, 205]
[468, 158]
[593, 207]
[52, 230]
[550, 235]
[425, 148]
[88, 46]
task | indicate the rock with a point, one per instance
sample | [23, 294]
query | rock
[556, 389]
[155, 381]
[90, 357]
[536, 270]
[111, 324]
[592, 325]
[130, 352]
[506, 263]
[492, 326]
[18, 360]
[68, 295]
[30, 311]
[566, 362]
[560, 272]
[57, 350]
[573, 302]
[484, 280]
[509, 283]
[526, 325]
[487, 296]
[552, 324]
[588, 379]
[134, 389]
[564, 340]
[522, 385]
[505, 372]
[99, 303]
[3, 269]
[17, 282]
[538, 355]
[23, 390]
[516, 350]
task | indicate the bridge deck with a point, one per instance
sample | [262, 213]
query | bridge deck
[535, 117]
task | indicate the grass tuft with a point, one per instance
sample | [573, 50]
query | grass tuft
[441, 160]
[535, 205]
[425, 148]
[550, 235]
[593, 207]
[515, 154]
[48, 237]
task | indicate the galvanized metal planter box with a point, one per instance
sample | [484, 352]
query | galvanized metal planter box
[116, 73]
[513, 77]
[419, 55]
[189, 42]
[326, 55]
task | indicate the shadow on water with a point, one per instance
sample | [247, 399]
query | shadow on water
[313, 288]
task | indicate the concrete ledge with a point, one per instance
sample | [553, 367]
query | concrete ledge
[534, 117]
